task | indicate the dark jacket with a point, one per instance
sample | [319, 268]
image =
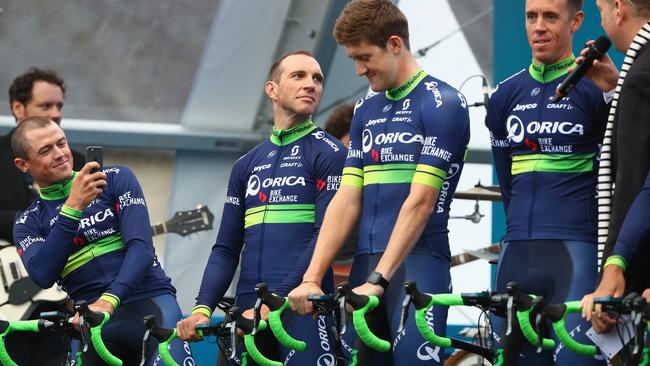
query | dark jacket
[631, 157]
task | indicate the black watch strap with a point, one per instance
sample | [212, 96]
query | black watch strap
[377, 279]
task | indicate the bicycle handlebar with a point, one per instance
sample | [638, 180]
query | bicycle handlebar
[96, 321]
[277, 305]
[557, 314]
[7, 327]
[164, 336]
[362, 305]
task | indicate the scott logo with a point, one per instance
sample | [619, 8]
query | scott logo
[295, 150]
[427, 353]
[406, 104]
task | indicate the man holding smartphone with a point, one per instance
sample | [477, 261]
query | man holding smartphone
[90, 232]
[37, 92]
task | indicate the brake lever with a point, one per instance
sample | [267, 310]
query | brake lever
[539, 319]
[233, 334]
[405, 313]
[84, 329]
[145, 338]
[256, 313]
[511, 289]
[341, 290]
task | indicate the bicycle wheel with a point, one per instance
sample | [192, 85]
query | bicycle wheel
[464, 358]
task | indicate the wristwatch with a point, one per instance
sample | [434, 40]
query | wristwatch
[377, 279]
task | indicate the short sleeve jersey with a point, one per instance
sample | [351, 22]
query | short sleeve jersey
[417, 133]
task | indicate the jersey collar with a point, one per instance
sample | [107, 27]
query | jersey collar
[285, 137]
[402, 91]
[547, 73]
[59, 190]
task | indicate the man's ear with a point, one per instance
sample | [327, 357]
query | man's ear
[577, 21]
[394, 44]
[22, 165]
[620, 11]
[270, 88]
[18, 110]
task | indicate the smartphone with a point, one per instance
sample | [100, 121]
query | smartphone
[95, 153]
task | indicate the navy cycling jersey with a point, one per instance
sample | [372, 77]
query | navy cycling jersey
[106, 249]
[275, 203]
[417, 133]
[545, 153]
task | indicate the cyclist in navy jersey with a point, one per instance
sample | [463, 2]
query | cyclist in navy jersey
[407, 147]
[545, 156]
[90, 232]
[276, 199]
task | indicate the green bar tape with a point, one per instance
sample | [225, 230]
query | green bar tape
[363, 331]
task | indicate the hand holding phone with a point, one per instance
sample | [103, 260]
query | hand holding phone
[95, 153]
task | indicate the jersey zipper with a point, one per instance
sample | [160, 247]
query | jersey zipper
[261, 255]
[533, 184]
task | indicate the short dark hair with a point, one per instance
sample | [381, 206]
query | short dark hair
[275, 71]
[19, 144]
[372, 21]
[575, 5]
[338, 124]
[22, 86]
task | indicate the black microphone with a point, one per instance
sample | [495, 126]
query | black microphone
[597, 50]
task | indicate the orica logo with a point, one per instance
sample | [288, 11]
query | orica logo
[357, 105]
[515, 129]
[253, 185]
[453, 169]
[427, 353]
[318, 135]
[326, 359]
[463, 101]
[366, 141]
